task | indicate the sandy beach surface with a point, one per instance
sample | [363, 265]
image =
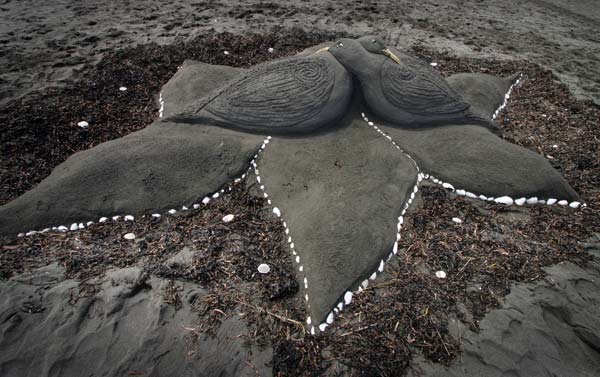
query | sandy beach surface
[46, 43]
[184, 299]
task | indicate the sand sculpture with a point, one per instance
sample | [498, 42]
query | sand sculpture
[339, 141]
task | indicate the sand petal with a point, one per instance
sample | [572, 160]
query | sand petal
[308, 179]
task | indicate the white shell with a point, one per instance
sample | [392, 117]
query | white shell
[228, 218]
[533, 200]
[507, 200]
[157, 215]
[74, 226]
[123, 88]
[83, 124]
[129, 236]
[448, 186]
[348, 298]
[129, 218]
[520, 201]
[205, 200]
[264, 268]
[457, 220]
[330, 318]
[563, 202]
[574, 204]
[276, 211]
[172, 211]
[102, 219]
[440, 274]
[551, 201]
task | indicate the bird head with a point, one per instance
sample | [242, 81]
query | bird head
[376, 45]
[348, 52]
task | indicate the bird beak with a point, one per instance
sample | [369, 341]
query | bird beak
[391, 55]
[322, 49]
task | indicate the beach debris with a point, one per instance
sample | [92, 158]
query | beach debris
[440, 274]
[457, 220]
[264, 268]
[83, 124]
[129, 236]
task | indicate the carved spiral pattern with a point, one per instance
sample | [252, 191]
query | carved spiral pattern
[276, 95]
[418, 89]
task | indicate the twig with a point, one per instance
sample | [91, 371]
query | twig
[279, 317]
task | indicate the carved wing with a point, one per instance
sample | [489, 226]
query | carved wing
[287, 96]
[418, 89]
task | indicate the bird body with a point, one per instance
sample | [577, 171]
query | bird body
[404, 90]
[292, 95]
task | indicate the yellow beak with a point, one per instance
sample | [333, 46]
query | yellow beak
[391, 55]
[322, 49]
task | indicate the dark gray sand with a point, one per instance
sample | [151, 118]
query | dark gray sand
[126, 329]
[547, 328]
[543, 328]
[46, 43]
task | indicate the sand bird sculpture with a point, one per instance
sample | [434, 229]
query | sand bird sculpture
[341, 168]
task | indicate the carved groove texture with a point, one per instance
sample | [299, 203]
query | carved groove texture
[279, 94]
[418, 89]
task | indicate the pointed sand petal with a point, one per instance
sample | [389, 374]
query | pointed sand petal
[474, 159]
[152, 170]
[341, 194]
[485, 93]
